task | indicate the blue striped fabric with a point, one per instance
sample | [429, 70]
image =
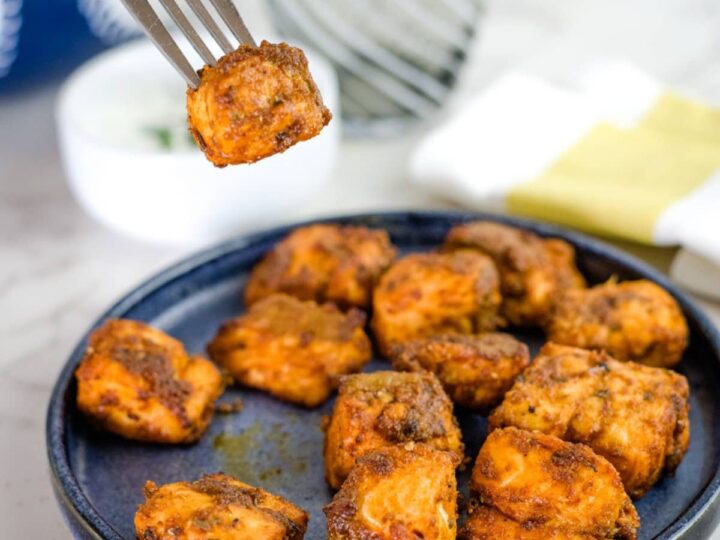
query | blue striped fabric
[41, 41]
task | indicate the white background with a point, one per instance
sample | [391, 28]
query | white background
[58, 269]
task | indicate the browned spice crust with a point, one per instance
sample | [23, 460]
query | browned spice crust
[255, 102]
[217, 506]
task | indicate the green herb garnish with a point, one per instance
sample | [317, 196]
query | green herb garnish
[162, 135]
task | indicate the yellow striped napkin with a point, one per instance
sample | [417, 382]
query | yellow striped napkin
[618, 156]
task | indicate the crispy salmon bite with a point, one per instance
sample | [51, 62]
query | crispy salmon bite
[402, 492]
[424, 294]
[533, 270]
[217, 506]
[633, 415]
[475, 370]
[138, 382]
[325, 263]
[631, 320]
[255, 102]
[292, 349]
[536, 486]
[385, 408]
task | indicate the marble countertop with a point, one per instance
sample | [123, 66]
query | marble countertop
[59, 269]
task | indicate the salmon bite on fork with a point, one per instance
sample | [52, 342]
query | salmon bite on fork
[251, 103]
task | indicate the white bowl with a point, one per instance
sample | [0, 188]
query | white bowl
[125, 179]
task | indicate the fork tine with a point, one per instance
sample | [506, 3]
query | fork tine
[148, 19]
[204, 15]
[232, 18]
[182, 21]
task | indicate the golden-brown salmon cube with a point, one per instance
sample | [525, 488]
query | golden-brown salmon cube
[486, 523]
[295, 350]
[375, 410]
[397, 493]
[533, 270]
[536, 486]
[325, 263]
[217, 507]
[138, 382]
[424, 294]
[475, 370]
[631, 320]
[255, 102]
[635, 416]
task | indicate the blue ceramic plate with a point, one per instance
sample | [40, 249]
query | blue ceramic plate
[98, 477]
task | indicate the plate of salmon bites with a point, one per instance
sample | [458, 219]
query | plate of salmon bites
[395, 376]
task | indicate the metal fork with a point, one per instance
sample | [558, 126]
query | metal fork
[145, 15]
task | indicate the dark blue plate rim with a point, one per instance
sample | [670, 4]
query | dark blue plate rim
[65, 483]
